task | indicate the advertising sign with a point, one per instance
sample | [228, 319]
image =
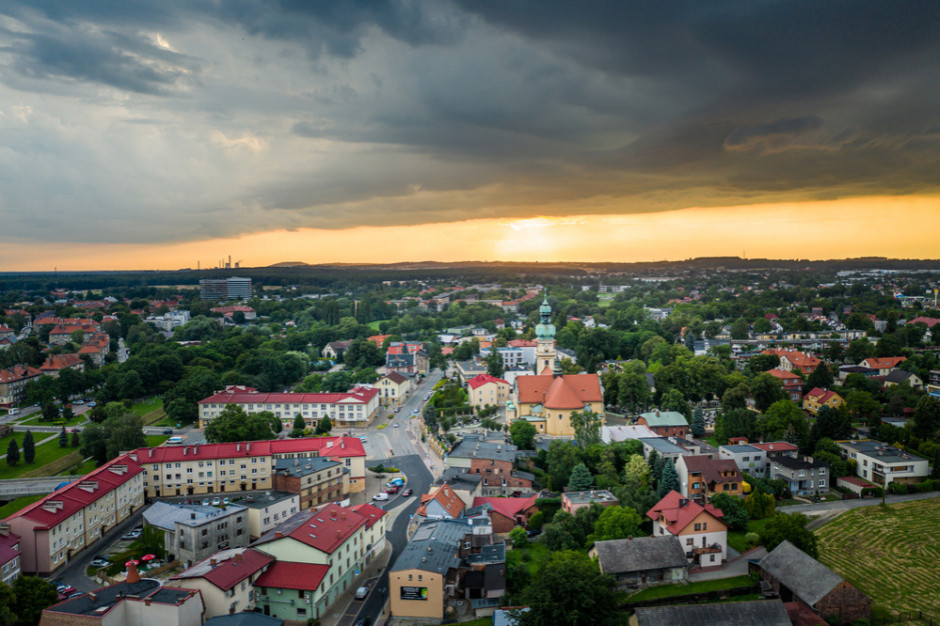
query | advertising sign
[414, 593]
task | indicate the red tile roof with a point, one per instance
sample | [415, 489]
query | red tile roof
[507, 507]
[18, 372]
[287, 575]
[776, 446]
[396, 377]
[444, 496]
[378, 340]
[522, 343]
[356, 396]
[571, 391]
[929, 321]
[883, 363]
[8, 550]
[325, 446]
[676, 512]
[325, 529]
[228, 570]
[372, 513]
[56, 362]
[478, 381]
[785, 375]
[797, 358]
[822, 395]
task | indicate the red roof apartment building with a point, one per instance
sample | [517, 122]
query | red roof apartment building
[354, 408]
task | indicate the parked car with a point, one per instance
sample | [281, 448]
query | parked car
[167, 431]
[216, 501]
[392, 489]
[397, 409]
[59, 586]
[407, 492]
[205, 502]
[249, 498]
[79, 401]
[75, 594]
[361, 593]
[92, 404]
[100, 563]
[380, 496]
[365, 621]
[225, 501]
[66, 590]
[134, 534]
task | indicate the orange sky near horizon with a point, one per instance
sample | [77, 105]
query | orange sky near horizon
[898, 227]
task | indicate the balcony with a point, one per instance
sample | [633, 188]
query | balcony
[712, 549]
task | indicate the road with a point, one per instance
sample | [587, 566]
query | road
[840, 506]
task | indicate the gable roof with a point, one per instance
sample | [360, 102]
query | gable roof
[785, 375]
[883, 363]
[621, 556]
[324, 446]
[776, 446]
[55, 362]
[897, 376]
[227, 568]
[664, 418]
[287, 575]
[753, 613]
[325, 529]
[929, 321]
[478, 381]
[797, 358]
[822, 396]
[676, 512]
[372, 513]
[712, 469]
[444, 496]
[359, 395]
[570, 391]
[396, 377]
[807, 578]
[507, 507]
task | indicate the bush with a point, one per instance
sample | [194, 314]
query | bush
[752, 539]
[898, 488]
[537, 521]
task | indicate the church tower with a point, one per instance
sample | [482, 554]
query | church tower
[545, 335]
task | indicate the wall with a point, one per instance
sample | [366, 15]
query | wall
[432, 608]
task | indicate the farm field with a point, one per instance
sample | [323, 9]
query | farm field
[889, 553]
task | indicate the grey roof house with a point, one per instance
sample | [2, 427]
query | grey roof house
[642, 561]
[755, 613]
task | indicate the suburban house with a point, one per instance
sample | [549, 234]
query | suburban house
[817, 398]
[571, 501]
[9, 555]
[133, 602]
[795, 361]
[804, 475]
[55, 363]
[749, 459]
[267, 510]
[774, 449]
[334, 350]
[193, 532]
[441, 503]
[225, 579]
[610, 434]
[394, 388]
[13, 383]
[701, 477]
[351, 408]
[409, 358]
[493, 460]
[899, 377]
[933, 383]
[666, 447]
[229, 312]
[427, 572]
[883, 464]
[317, 480]
[507, 513]
[642, 561]
[885, 365]
[467, 486]
[485, 390]
[752, 613]
[665, 423]
[548, 400]
[792, 383]
[700, 529]
[797, 577]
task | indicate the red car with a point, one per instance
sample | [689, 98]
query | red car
[392, 489]
[406, 493]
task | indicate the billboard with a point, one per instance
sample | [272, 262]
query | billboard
[414, 593]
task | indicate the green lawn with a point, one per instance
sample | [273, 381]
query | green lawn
[604, 300]
[736, 537]
[156, 440]
[45, 453]
[13, 506]
[147, 406]
[534, 555]
[890, 553]
[375, 325]
[83, 468]
[36, 420]
[667, 591]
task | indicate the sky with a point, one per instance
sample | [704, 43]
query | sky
[161, 135]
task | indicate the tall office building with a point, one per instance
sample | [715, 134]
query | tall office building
[234, 288]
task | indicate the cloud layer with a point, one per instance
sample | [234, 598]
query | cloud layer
[179, 121]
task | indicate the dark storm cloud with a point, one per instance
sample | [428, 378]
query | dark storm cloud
[336, 114]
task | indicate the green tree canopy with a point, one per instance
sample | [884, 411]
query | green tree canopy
[570, 591]
[587, 427]
[29, 447]
[792, 528]
[616, 522]
[733, 508]
[581, 478]
[233, 424]
[33, 595]
[669, 480]
[522, 434]
[13, 453]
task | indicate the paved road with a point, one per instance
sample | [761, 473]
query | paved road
[74, 573]
[845, 505]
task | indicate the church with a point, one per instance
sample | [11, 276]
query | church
[548, 398]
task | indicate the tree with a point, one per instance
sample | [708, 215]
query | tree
[762, 362]
[735, 397]
[537, 521]
[759, 504]
[670, 479]
[766, 390]
[233, 424]
[859, 350]
[636, 473]
[324, 426]
[74, 439]
[518, 537]
[494, 363]
[33, 595]
[29, 447]
[50, 411]
[698, 422]
[616, 522]
[13, 453]
[733, 509]
[673, 400]
[522, 434]
[581, 478]
[789, 527]
[63, 438]
[862, 405]
[299, 426]
[7, 605]
[784, 420]
[587, 598]
[587, 427]
[735, 423]
[926, 417]
[740, 329]
[633, 391]
[821, 377]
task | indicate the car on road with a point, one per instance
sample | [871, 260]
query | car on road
[380, 496]
[75, 594]
[92, 404]
[167, 431]
[361, 593]
[396, 424]
[60, 585]
[392, 490]
[407, 492]
[100, 563]
[249, 498]
[75, 430]
[66, 589]
[363, 439]
[79, 401]
[134, 534]
[205, 502]
[216, 501]
[365, 621]
[397, 409]
[225, 501]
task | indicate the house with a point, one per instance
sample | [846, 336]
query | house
[286, 590]
[641, 561]
[666, 447]
[494, 461]
[195, 532]
[700, 529]
[426, 574]
[883, 464]
[933, 383]
[794, 360]
[749, 459]
[884, 365]
[571, 501]
[899, 377]
[485, 390]
[316, 480]
[354, 408]
[134, 602]
[467, 486]
[610, 434]
[9, 555]
[441, 503]
[817, 398]
[13, 383]
[334, 350]
[225, 579]
[665, 423]
[507, 513]
[228, 312]
[804, 475]
[751, 613]
[394, 388]
[409, 358]
[548, 400]
[775, 449]
[701, 477]
[797, 577]
[378, 340]
[792, 383]
[55, 363]
[268, 510]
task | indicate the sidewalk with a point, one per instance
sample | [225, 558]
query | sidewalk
[737, 566]
[346, 607]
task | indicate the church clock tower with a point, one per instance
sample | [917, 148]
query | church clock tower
[545, 335]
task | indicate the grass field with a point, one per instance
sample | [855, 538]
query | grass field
[46, 453]
[148, 405]
[375, 325]
[156, 440]
[890, 553]
[736, 537]
[533, 555]
[667, 591]
[13, 506]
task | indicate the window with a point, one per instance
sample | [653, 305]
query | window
[689, 541]
[698, 527]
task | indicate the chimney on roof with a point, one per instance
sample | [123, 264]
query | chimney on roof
[150, 452]
[212, 562]
[238, 447]
[339, 533]
[92, 596]
[192, 516]
[147, 601]
[185, 450]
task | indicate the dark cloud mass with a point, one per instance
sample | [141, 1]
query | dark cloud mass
[219, 118]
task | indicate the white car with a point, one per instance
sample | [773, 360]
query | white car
[216, 502]
[380, 496]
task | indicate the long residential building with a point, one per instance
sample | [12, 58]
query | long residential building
[354, 408]
[63, 523]
[13, 383]
[240, 466]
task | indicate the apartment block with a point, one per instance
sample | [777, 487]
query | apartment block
[354, 408]
[315, 480]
